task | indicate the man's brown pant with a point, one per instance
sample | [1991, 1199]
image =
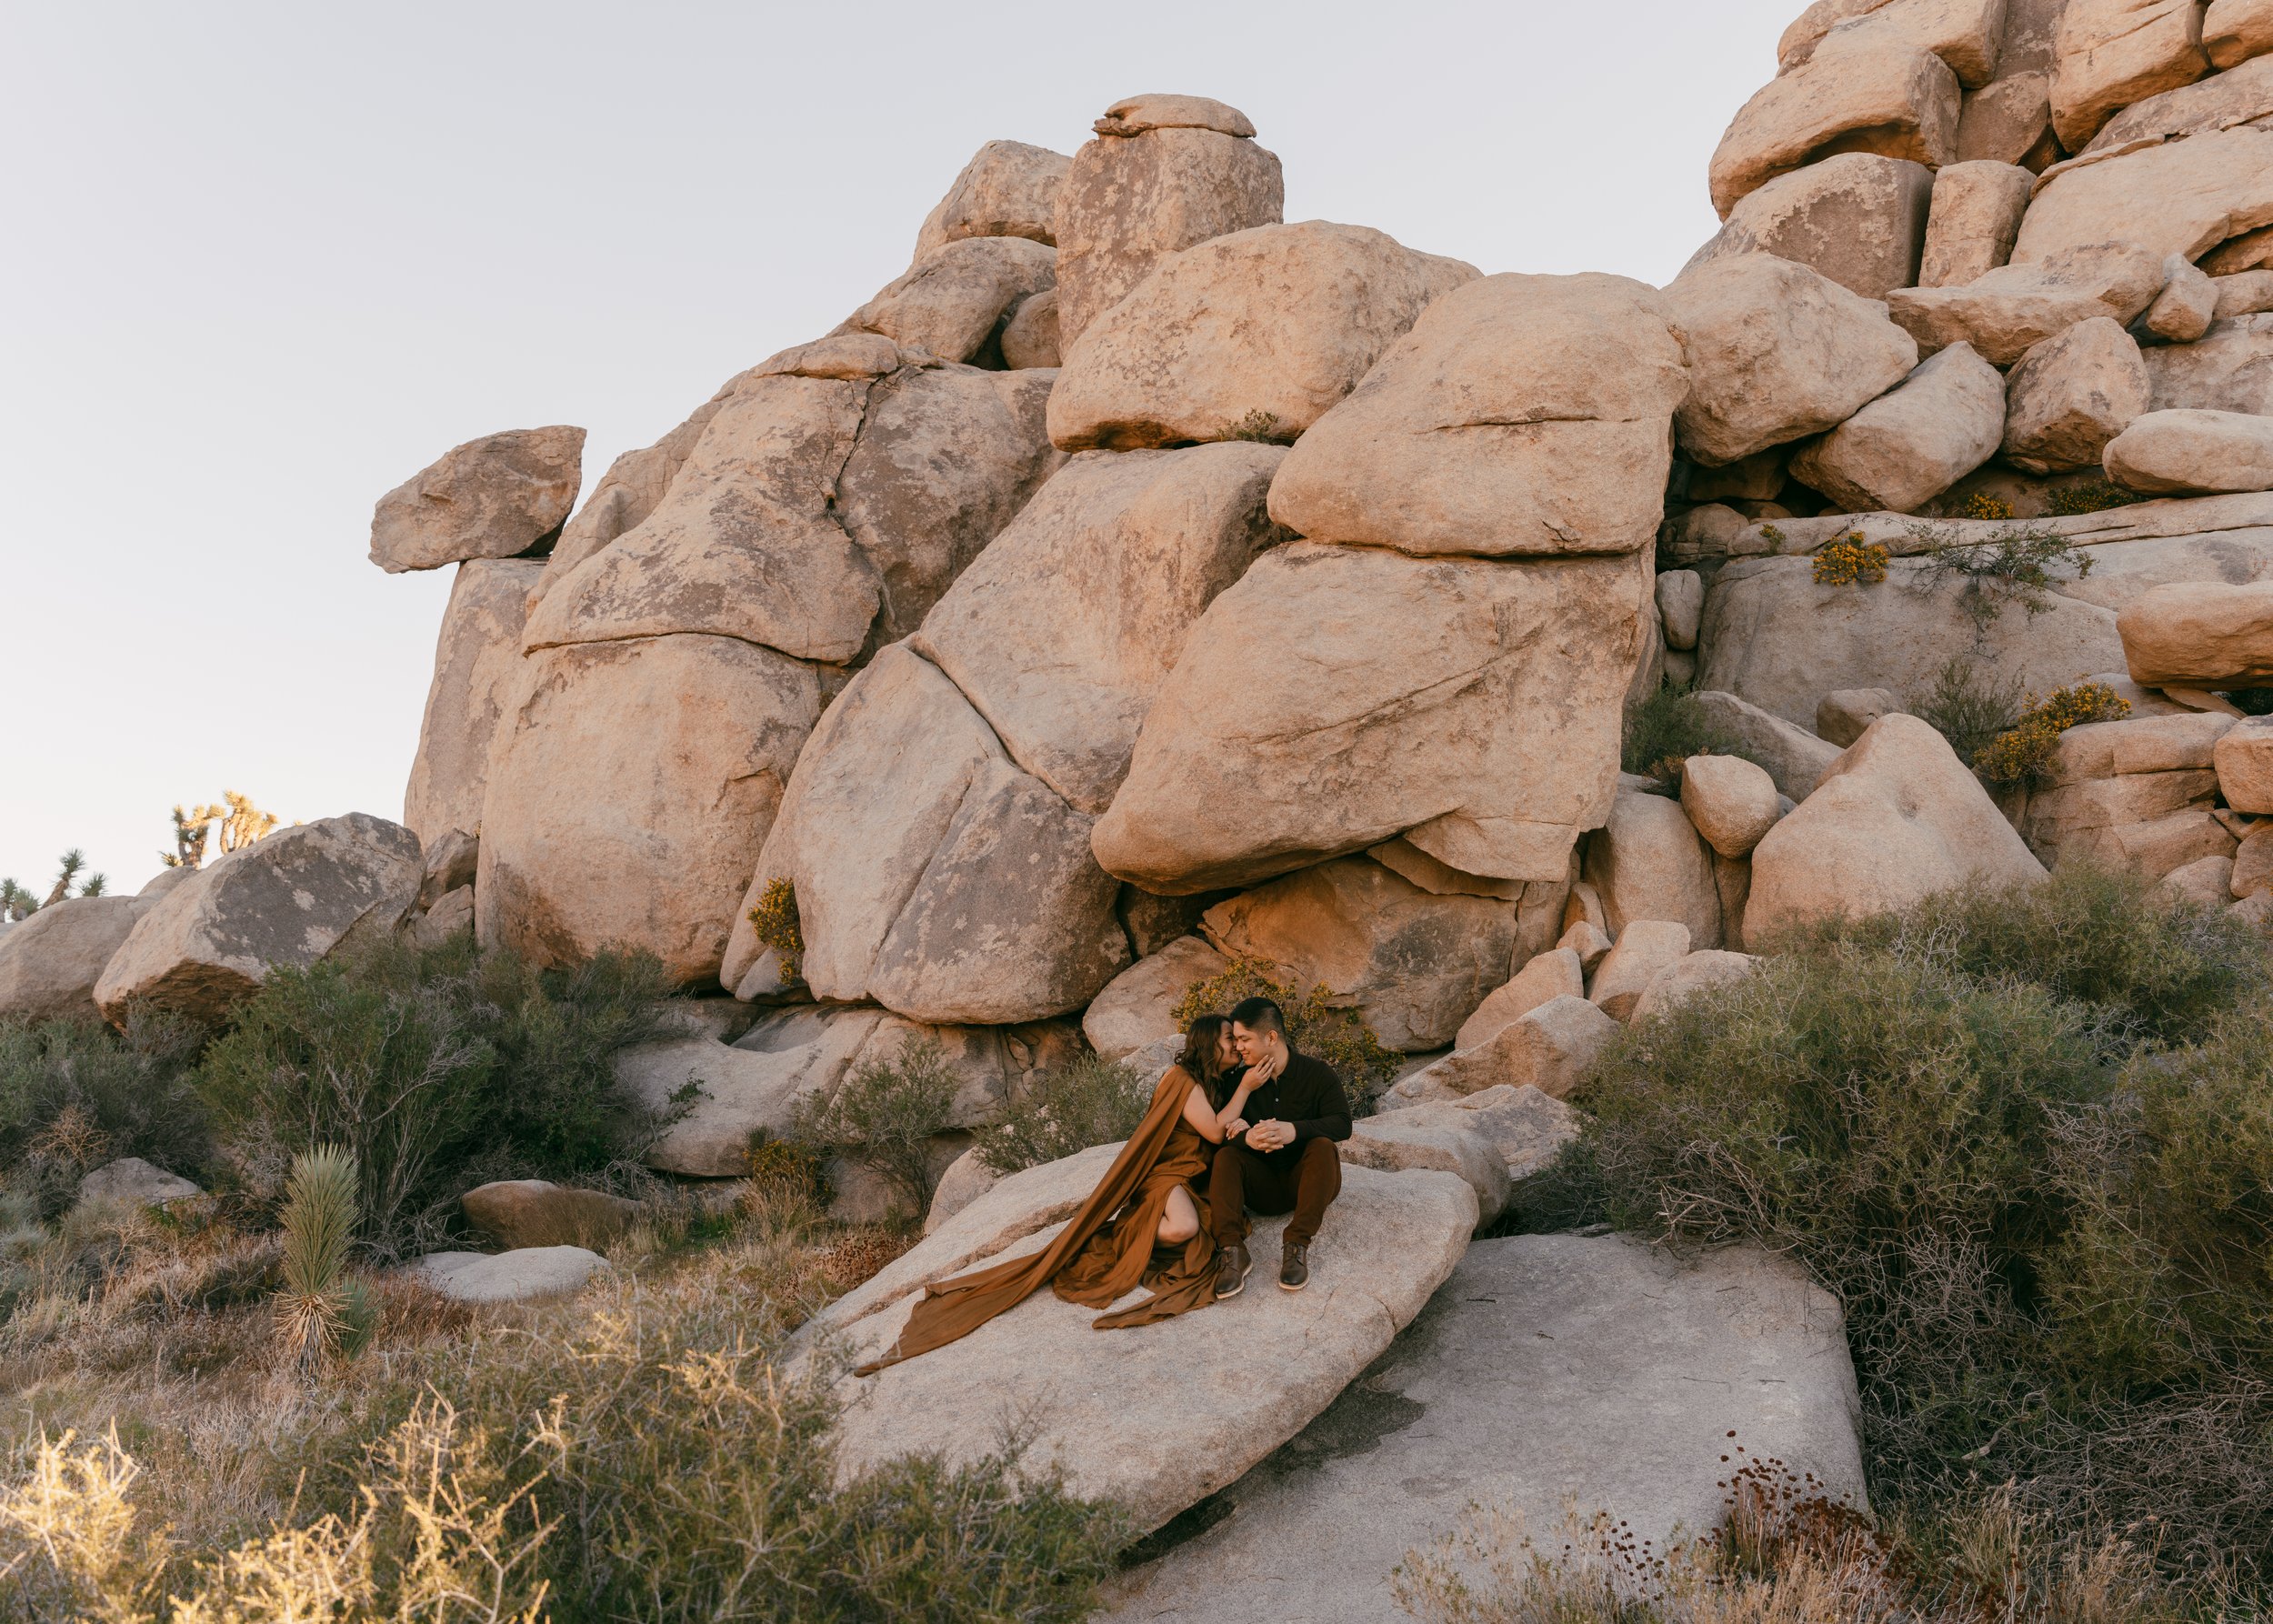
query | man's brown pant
[1302, 1185]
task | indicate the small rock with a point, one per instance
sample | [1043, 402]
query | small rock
[1842, 716]
[1680, 605]
[2112, 53]
[532, 1212]
[1894, 100]
[1397, 1143]
[2244, 293]
[2011, 122]
[1007, 189]
[1644, 947]
[968, 1178]
[1527, 1125]
[1732, 802]
[452, 859]
[451, 915]
[507, 1277]
[1648, 862]
[2071, 395]
[1589, 940]
[2186, 305]
[1555, 974]
[2207, 880]
[1030, 338]
[1693, 974]
[2181, 452]
[1548, 1048]
[494, 498]
[1976, 211]
[950, 302]
[2244, 759]
[1796, 759]
[131, 1181]
[2253, 862]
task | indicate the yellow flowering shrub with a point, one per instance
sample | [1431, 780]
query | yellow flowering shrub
[1851, 561]
[2021, 754]
[776, 920]
[1981, 505]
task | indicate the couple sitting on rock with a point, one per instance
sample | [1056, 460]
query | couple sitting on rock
[1241, 1123]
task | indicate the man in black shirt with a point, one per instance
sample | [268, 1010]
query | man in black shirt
[1287, 1162]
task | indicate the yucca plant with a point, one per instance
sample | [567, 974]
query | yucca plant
[321, 1309]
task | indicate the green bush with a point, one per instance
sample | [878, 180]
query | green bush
[1089, 1102]
[74, 1095]
[1669, 727]
[436, 1068]
[2047, 1223]
[2018, 564]
[1968, 706]
[885, 1117]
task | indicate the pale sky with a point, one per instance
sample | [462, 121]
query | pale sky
[262, 262]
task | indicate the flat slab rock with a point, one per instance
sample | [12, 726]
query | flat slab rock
[1550, 1366]
[507, 1277]
[1160, 1417]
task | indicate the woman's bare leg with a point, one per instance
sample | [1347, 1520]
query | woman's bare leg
[1180, 1221]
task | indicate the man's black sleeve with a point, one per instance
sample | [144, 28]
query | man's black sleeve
[1330, 1105]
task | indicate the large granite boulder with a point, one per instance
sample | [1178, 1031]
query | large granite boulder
[1413, 964]
[1549, 1049]
[1894, 100]
[494, 498]
[2219, 102]
[51, 962]
[954, 299]
[292, 898]
[1968, 35]
[1527, 1125]
[1976, 211]
[2005, 312]
[2228, 369]
[1521, 416]
[2177, 198]
[1649, 862]
[1257, 334]
[1858, 218]
[1137, 1007]
[1064, 628]
[2200, 635]
[1337, 697]
[1552, 1370]
[537, 1212]
[631, 784]
[1157, 179]
[2009, 121]
[932, 874]
[1776, 352]
[1914, 442]
[1898, 819]
[2112, 53]
[1118, 1412]
[2160, 453]
[2071, 395]
[1007, 189]
[477, 665]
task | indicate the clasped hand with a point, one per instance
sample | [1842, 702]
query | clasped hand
[1270, 1136]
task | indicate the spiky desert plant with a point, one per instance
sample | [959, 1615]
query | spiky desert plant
[319, 1307]
[191, 830]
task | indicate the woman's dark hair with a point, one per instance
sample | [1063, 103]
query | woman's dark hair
[1203, 1043]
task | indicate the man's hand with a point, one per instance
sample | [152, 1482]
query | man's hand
[1270, 1136]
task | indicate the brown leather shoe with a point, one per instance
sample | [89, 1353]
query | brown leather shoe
[1294, 1267]
[1231, 1271]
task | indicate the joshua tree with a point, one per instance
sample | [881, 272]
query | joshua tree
[16, 903]
[241, 823]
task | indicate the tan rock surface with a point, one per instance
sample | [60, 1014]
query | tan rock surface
[1795, 758]
[1858, 218]
[2071, 395]
[1525, 1125]
[1967, 34]
[1548, 1048]
[1128, 200]
[1066, 627]
[1444, 1142]
[953, 889]
[1257, 332]
[1522, 416]
[1558, 973]
[1137, 1007]
[2178, 197]
[2245, 771]
[1030, 338]
[1731, 802]
[1680, 605]
[2200, 633]
[494, 497]
[1896, 101]
[1122, 1431]
[1007, 189]
[1337, 697]
[1684, 977]
[291, 899]
[2234, 31]
[1777, 352]
[2244, 96]
[534, 1212]
[1843, 714]
[2009, 122]
[2005, 312]
[1413, 964]
[51, 963]
[1914, 442]
[476, 664]
[1899, 818]
[1648, 862]
[1133, 116]
[2246, 292]
[2185, 308]
[1644, 948]
[2112, 53]
[1975, 216]
[2162, 453]
[631, 784]
[2253, 865]
[951, 301]
[2205, 881]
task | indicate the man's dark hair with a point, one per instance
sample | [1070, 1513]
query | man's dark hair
[1259, 1015]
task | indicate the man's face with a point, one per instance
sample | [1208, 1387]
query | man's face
[1252, 1045]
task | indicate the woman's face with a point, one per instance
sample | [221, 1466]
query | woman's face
[1227, 1051]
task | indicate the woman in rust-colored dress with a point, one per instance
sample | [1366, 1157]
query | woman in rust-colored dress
[1145, 1224]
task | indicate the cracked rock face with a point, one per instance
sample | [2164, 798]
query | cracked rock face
[476, 664]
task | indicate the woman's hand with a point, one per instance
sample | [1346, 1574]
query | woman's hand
[1238, 1126]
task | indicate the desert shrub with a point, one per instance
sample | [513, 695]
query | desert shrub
[775, 923]
[2044, 1223]
[1981, 505]
[1090, 1100]
[74, 1095]
[2090, 495]
[886, 1116]
[322, 1308]
[786, 1170]
[1851, 561]
[1315, 1025]
[2017, 565]
[1257, 425]
[1669, 727]
[435, 1068]
[2021, 754]
[1968, 706]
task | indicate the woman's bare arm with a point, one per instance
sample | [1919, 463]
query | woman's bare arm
[1235, 1107]
[1202, 1116]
